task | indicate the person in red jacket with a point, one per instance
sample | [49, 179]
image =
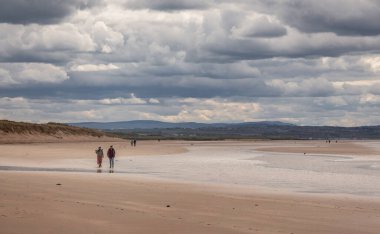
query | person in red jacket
[100, 156]
[111, 153]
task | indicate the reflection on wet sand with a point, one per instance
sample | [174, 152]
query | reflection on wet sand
[14, 168]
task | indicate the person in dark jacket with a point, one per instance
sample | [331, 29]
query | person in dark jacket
[111, 153]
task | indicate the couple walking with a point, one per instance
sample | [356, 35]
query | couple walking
[111, 153]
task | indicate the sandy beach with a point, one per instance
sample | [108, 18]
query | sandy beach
[147, 201]
[230, 104]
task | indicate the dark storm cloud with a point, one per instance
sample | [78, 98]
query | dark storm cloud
[227, 49]
[94, 86]
[343, 17]
[303, 68]
[37, 57]
[169, 5]
[40, 11]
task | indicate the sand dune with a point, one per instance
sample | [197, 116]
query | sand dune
[19, 132]
[12, 138]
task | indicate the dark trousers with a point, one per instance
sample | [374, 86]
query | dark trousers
[111, 161]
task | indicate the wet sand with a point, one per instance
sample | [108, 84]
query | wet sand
[72, 202]
[60, 154]
[34, 203]
[321, 147]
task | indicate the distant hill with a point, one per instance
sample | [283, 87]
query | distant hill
[150, 124]
[21, 132]
[274, 132]
[147, 129]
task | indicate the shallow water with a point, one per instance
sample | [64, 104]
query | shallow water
[245, 166]
[242, 165]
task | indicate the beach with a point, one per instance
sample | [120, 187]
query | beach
[191, 187]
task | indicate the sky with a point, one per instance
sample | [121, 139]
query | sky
[304, 62]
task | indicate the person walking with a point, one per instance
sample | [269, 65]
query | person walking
[99, 156]
[111, 153]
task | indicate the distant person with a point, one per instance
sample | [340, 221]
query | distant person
[99, 156]
[134, 142]
[111, 153]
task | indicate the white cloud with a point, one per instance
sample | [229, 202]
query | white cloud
[373, 61]
[24, 73]
[133, 100]
[370, 99]
[13, 101]
[153, 101]
[259, 26]
[6, 78]
[93, 67]
[44, 73]
[307, 87]
[63, 37]
[214, 110]
[106, 38]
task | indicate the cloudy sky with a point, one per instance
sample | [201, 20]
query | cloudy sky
[300, 61]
